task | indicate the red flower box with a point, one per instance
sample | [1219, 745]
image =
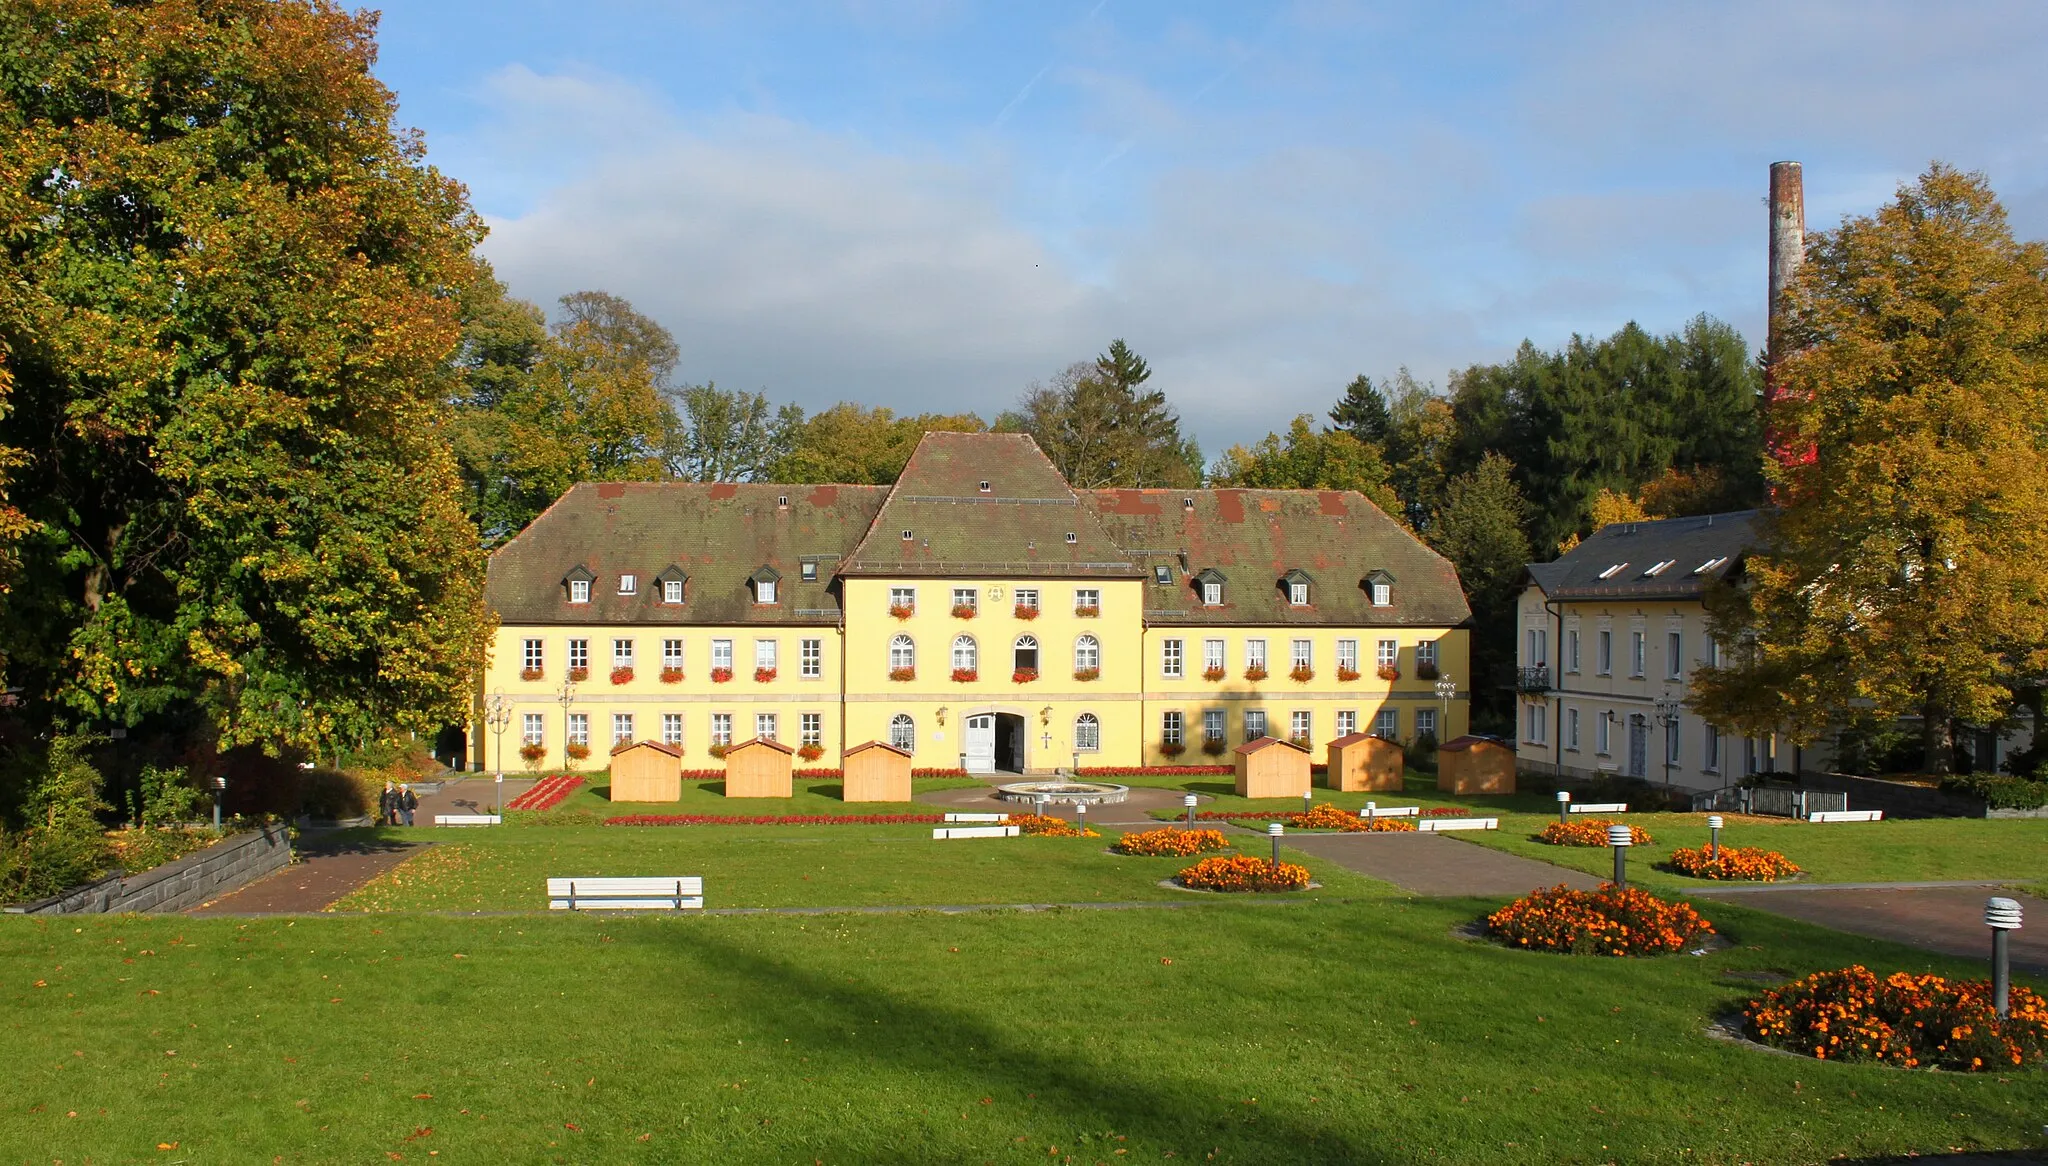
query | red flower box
[1425, 670]
[810, 752]
[763, 675]
[965, 675]
[1086, 674]
[903, 674]
[964, 611]
[577, 751]
[1347, 674]
[1389, 672]
[1302, 674]
[902, 610]
[1213, 674]
[1172, 748]
[531, 674]
[622, 676]
[1087, 612]
[720, 675]
[1214, 747]
[1255, 673]
[671, 676]
[1024, 675]
[1023, 612]
[533, 752]
[718, 750]
[579, 675]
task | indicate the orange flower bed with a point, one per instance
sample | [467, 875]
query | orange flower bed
[1329, 817]
[1904, 1020]
[1239, 873]
[1747, 863]
[1588, 832]
[1047, 826]
[1609, 921]
[1160, 843]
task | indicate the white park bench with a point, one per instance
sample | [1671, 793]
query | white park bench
[625, 894]
[1599, 808]
[976, 831]
[977, 817]
[1439, 825]
[467, 820]
[1846, 816]
[1390, 812]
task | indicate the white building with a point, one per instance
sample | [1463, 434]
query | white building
[1610, 635]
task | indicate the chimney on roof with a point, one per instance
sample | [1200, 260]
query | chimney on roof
[1788, 251]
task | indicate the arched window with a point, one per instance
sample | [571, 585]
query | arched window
[903, 732]
[1027, 654]
[1087, 654]
[1087, 733]
[966, 657]
[902, 653]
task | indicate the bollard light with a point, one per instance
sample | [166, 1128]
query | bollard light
[1620, 839]
[1274, 830]
[1564, 806]
[1043, 804]
[1371, 810]
[1714, 837]
[1188, 800]
[220, 790]
[2002, 916]
[1308, 800]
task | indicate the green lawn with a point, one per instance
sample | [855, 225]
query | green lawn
[790, 866]
[1359, 1032]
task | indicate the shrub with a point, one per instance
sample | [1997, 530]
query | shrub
[1747, 863]
[1239, 873]
[1610, 921]
[1588, 832]
[2001, 792]
[1905, 1020]
[1174, 842]
[1302, 674]
[1045, 825]
[622, 676]
[329, 795]
[764, 675]
[965, 675]
[163, 797]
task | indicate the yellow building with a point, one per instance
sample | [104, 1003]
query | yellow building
[980, 613]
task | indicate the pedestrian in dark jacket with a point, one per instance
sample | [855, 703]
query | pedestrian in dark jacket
[408, 801]
[387, 806]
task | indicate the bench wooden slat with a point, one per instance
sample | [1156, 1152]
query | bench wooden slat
[1392, 812]
[1846, 816]
[1437, 825]
[580, 903]
[467, 820]
[682, 893]
[1600, 808]
[942, 832]
[977, 817]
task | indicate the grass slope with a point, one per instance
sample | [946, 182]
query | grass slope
[1319, 1032]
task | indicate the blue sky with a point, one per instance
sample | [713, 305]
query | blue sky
[930, 205]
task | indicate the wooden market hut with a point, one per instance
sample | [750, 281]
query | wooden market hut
[1475, 765]
[647, 771]
[759, 768]
[1360, 762]
[877, 772]
[1271, 768]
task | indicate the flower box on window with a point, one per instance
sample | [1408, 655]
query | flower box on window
[1085, 674]
[1347, 674]
[531, 674]
[903, 674]
[579, 675]
[622, 676]
[1255, 673]
[965, 675]
[718, 750]
[763, 675]
[1299, 742]
[533, 752]
[1088, 611]
[1390, 672]
[1213, 746]
[1213, 674]
[720, 675]
[963, 611]
[1024, 675]
[1302, 674]
[1172, 748]
[810, 752]
[902, 610]
[1425, 670]
[671, 676]
[1027, 612]
[578, 752]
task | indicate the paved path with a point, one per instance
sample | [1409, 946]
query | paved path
[470, 795]
[1133, 811]
[1945, 918]
[320, 878]
[1430, 864]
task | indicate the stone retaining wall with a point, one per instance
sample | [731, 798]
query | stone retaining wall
[174, 886]
[1897, 799]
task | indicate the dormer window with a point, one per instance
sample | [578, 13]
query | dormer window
[579, 580]
[782, 501]
[1616, 569]
[765, 581]
[1297, 584]
[809, 571]
[629, 584]
[906, 536]
[1380, 587]
[1072, 538]
[1187, 504]
[671, 580]
[1709, 565]
[986, 488]
[1209, 585]
[1162, 575]
[1660, 568]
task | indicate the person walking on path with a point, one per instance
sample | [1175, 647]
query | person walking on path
[387, 806]
[408, 801]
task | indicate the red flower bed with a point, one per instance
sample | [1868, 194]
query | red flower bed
[1047, 826]
[1903, 1019]
[1609, 921]
[546, 794]
[773, 819]
[1241, 873]
[1329, 817]
[1447, 812]
[1153, 770]
[1171, 842]
[819, 774]
[1745, 863]
[1588, 832]
[955, 771]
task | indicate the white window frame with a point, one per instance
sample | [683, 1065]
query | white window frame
[629, 584]
[764, 592]
[1215, 724]
[1213, 655]
[1087, 654]
[1347, 655]
[672, 729]
[1603, 656]
[1425, 652]
[1212, 595]
[968, 598]
[1254, 722]
[902, 652]
[1172, 658]
[810, 658]
[533, 655]
[721, 654]
[671, 590]
[1301, 653]
[766, 652]
[622, 652]
[810, 729]
[579, 591]
[1027, 643]
[1638, 649]
[1710, 749]
[1301, 725]
[903, 597]
[622, 729]
[1674, 741]
[1172, 727]
[1382, 595]
[903, 732]
[1571, 650]
[1538, 643]
[1535, 720]
[966, 654]
[765, 726]
[672, 655]
[533, 729]
[1674, 647]
[1255, 653]
[1425, 722]
[1571, 729]
[1386, 724]
[721, 728]
[579, 729]
[1386, 653]
[1087, 733]
[1603, 734]
[1027, 598]
[1347, 722]
[1087, 597]
[1297, 594]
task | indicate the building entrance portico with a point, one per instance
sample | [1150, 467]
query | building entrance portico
[995, 743]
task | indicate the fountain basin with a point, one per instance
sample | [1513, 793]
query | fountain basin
[1065, 793]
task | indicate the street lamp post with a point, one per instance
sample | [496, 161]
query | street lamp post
[220, 790]
[498, 718]
[1446, 688]
[566, 698]
[1667, 716]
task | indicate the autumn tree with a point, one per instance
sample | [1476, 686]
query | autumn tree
[1102, 428]
[725, 435]
[1362, 412]
[1308, 459]
[226, 312]
[1421, 431]
[1906, 572]
[861, 445]
[1481, 530]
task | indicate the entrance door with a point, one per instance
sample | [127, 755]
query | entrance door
[1010, 742]
[1638, 746]
[981, 743]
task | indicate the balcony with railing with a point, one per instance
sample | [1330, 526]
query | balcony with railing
[1533, 680]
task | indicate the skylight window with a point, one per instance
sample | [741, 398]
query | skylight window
[1660, 568]
[1616, 569]
[1709, 565]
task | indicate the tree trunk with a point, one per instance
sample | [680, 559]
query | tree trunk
[1937, 744]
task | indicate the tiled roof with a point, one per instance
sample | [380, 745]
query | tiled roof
[719, 534]
[1021, 527]
[1687, 555]
[1253, 538]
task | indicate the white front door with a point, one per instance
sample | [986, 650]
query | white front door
[981, 743]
